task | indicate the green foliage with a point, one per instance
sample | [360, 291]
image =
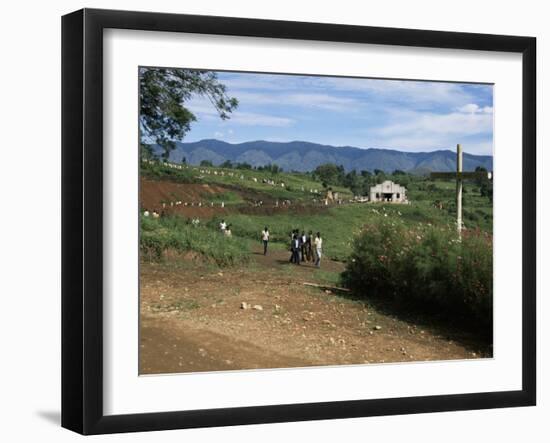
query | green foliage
[272, 168]
[425, 267]
[206, 163]
[162, 92]
[329, 173]
[174, 233]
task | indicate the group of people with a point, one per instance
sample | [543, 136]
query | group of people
[303, 247]
[306, 247]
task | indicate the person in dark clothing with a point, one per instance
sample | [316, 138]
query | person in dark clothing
[295, 249]
[291, 260]
[303, 240]
[309, 252]
[292, 234]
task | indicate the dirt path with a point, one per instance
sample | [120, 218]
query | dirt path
[192, 319]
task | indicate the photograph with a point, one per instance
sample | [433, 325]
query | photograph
[293, 221]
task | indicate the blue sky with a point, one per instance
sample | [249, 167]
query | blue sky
[395, 114]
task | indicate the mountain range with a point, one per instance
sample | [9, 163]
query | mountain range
[305, 156]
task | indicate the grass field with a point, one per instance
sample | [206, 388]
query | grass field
[338, 224]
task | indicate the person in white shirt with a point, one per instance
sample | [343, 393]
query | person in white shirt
[146, 213]
[223, 226]
[227, 231]
[318, 243]
[265, 239]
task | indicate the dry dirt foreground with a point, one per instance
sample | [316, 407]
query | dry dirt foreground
[196, 317]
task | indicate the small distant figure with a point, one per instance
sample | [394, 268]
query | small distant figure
[223, 226]
[293, 234]
[223, 205]
[155, 214]
[318, 243]
[296, 249]
[265, 239]
[195, 222]
[309, 252]
[227, 231]
[303, 240]
[146, 213]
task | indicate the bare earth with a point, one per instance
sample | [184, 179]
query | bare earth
[192, 320]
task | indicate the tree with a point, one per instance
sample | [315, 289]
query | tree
[146, 151]
[482, 179]
[330, 173]
[273, 168]
[206, 163]
[162, 92]
[226, 164]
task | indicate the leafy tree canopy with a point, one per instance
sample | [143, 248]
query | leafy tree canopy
[163, 117]
[330, 173]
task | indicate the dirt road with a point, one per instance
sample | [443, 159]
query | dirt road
[196, 317]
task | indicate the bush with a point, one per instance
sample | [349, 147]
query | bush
[426, 267]
[160, 235]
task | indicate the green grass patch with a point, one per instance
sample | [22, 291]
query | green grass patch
[174, 233]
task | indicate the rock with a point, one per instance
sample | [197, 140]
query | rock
[377, 327]
[327, 291]
[258, 307]
[245, 305]
[220, 274]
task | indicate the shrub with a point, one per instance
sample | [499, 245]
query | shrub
[425, 267]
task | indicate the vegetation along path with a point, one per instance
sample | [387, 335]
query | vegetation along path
[198, 317]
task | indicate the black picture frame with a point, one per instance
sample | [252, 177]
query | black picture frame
[82, 218]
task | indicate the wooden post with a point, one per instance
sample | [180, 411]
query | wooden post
[459, 189]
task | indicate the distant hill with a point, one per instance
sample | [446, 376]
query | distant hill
[305, 156]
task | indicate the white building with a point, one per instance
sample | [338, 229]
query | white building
[388, 191]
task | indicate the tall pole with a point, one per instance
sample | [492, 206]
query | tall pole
[459, 189]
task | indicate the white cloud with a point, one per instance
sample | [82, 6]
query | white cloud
[472, 108]
[414, 93]
[255, 119]
[426, 131]
[304, 100]
[204, 110]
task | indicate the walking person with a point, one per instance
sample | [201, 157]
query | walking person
[265, 239]
[318, 243]
[223, 226]
[303, 240]
[296, 249]
[309, 251]
[292, 235]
